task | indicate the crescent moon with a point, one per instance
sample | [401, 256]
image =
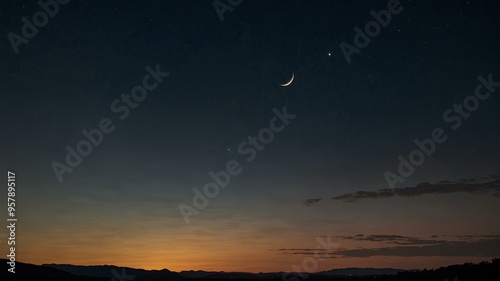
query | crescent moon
[289, 82]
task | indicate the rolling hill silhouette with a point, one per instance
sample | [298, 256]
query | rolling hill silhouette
[58, 272]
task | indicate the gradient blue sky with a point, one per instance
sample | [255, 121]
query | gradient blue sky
[120, 206]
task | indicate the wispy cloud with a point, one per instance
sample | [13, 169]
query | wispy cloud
[309, 202]
[480, 185]
[468, 245]
[407, 240]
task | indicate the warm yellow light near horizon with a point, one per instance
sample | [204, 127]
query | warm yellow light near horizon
[289, 82]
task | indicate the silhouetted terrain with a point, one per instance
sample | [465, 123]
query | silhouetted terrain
[33, 272]
[53, 272]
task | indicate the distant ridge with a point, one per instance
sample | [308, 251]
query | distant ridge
[67, 272]
[105, 271]
[102, 271]
[362, 271]
[31, 272]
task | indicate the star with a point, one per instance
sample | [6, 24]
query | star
[329, 54]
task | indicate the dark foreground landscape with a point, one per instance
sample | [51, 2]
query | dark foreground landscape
[52, 272]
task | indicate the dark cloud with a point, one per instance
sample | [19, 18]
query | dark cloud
[394, 239]
[473, 246]
[376, 237]
[481, 185]
[482, 248]
[308, 202]
[408, 240]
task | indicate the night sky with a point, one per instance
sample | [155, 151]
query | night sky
[322, 175]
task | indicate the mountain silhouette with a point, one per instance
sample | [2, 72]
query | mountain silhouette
[25, 271]
[66, 272]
